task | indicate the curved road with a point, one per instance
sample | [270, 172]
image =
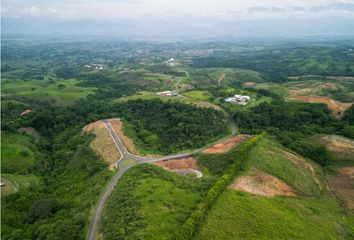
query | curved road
[122, 165]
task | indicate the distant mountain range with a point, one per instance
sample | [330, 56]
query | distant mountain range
[175, 28]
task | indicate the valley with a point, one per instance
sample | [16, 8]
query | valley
[133, 140]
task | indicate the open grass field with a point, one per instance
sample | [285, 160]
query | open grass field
[232, 75]
[15, 183]
[159, 203]
[222, 76]
[156, 76]
[198, 95]
[162, 206]
[60, 93]
[18, 154]
[145, 95]
[238, 215]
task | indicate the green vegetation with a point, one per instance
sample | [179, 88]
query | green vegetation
[61, 92]
[312, 215]
[150, 203]
[156, 76]
[62, 207]
[15, 183]
[168, 127]
[290, 60]
[270, 157]
[192, 224]
[292, 123]
[199, 95]
[145, 95]
[238, 215]
[18, 154]
[60, 179]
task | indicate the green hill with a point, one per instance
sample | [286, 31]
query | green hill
[311, 214]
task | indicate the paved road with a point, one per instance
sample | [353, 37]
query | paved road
[122, 165]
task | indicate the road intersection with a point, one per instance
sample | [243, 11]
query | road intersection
[128, 160]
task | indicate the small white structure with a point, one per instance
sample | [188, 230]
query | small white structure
[170, 62]
[96, 66]
[238, 99]
[167, 93]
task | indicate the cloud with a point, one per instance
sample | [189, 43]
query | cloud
[335, 7]
[211, 9]
[35, 11]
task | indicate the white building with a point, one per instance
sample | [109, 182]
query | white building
[238, 99]
[170, 62]
[167, 93]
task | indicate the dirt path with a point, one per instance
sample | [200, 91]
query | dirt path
[222, 76]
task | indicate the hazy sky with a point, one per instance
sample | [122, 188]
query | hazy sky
[219, 9]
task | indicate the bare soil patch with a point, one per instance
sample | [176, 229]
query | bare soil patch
[227, 145]
[299, 161]
[330, 86]
[343, 185]
[342, 147]
[128, 143]
[249, 84]
[26, 112]
[181, 164]
[294, 92]
[336, 107]
[30, 131]
[95, 125]
[7, 188]
[260, 183]
[103, 144]
[185, 167]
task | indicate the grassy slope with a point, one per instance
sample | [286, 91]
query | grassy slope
[270, 157]
[151, 95]
[15, 183]
[149, 203]
[238, 215]
[46, 90]
[163, 206]
[242, 216]
[18, 154]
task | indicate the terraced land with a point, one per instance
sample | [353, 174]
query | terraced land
[14, 183]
